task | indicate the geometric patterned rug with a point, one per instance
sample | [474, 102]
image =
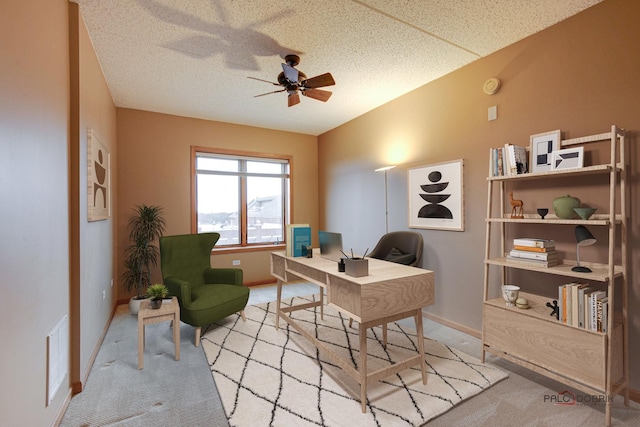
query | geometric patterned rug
[269, 377]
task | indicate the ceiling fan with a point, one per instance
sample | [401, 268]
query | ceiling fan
[295, 82]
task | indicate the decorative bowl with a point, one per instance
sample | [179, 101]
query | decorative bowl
[584, 213]
[542, 212]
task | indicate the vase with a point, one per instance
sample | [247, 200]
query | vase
[155, 303]
[563, 206]
[134, 305]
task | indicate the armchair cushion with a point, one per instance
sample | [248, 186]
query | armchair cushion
[395, 255]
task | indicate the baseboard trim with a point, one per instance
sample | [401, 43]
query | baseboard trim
[63, 409]
[78, 386]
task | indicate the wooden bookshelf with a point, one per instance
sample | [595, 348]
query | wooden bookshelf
[594, 362]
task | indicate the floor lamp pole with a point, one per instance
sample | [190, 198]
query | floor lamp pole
[386, 205]
[386, 197]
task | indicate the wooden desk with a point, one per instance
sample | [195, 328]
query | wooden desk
[147, 315]
[390, 292]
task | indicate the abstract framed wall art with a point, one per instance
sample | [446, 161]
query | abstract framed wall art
[98, 179]
[568, 158]
[542, 145]
[436, 196]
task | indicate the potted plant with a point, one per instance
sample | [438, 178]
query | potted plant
[145, 226]
[156, 292]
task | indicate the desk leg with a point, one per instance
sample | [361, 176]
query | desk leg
[384, 335]
[278, 300]
[176, 334]
[321, 303]
[420, 334]
[140, 343]
[363, 367]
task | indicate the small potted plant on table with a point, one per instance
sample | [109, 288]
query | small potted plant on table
[156, 293]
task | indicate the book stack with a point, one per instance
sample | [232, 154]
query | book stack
[534, 252]
[583, 307]
[298, 237]
[509, 160]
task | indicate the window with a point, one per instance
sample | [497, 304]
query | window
[242, 196]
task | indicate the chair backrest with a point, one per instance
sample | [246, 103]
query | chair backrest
[186, 256]
[406, 242]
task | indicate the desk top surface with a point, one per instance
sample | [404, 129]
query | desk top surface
[379, 270]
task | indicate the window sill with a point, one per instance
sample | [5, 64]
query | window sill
[245, 249]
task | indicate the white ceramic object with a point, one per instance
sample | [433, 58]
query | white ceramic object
[510, 294]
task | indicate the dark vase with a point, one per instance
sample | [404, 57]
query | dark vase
[155, 303]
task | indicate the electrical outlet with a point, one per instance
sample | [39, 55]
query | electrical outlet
[112, 283]
[104, 294]
[236, 262]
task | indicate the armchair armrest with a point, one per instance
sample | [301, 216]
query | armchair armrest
[229, 276]
[180, 289]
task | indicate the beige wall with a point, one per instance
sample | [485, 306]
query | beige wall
[96, 111]
[580, 76]
[154, 168]
[34, 194]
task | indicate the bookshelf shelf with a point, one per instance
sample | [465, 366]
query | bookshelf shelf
[594, 362]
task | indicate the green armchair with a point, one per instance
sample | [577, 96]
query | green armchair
[205, 294]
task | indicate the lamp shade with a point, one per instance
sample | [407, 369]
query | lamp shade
[584, 236]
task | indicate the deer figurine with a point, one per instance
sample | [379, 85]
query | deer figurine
[516, 207]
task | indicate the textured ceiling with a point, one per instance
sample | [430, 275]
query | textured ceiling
[192, 57]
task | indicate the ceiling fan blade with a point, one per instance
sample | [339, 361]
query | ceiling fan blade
[293, 99]
[322, 80]
[269, 93]
[319, 94]
[290, 73]
[266, 81]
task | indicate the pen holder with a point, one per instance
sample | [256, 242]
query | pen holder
[356, 267]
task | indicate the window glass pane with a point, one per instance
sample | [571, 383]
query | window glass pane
[264, 167]
[218, 199]
[264, 210]
[212, 164]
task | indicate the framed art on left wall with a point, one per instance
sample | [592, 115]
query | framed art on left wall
[98, 179]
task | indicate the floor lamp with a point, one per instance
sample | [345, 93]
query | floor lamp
[386, 199]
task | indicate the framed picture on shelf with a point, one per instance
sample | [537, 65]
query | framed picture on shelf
[98, 179]
[568, 158]
[436, 196]
[541, 147]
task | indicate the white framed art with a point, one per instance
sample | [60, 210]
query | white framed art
[541, 147]
[98, 179]
[568, 158]
[436, 196]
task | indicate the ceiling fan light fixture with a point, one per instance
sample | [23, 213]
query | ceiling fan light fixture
[294, 81]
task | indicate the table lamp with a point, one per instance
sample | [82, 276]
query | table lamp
[584, 238]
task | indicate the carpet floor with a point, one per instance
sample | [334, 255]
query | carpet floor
[169, 393]
[269, 377]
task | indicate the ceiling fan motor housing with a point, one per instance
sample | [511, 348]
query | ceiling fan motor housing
[282, 79]
[292, 60]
